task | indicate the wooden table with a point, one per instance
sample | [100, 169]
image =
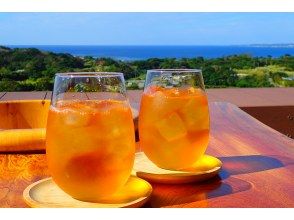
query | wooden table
[258, 168]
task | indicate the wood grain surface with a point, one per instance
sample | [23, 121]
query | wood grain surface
[23, 95]
[205, 168]
[281, 118]
[46, 194]
[258, 168]
[23, 114]
[22, 124]
[253, 96]
[250, 96]
[2, 94]
[17, 171]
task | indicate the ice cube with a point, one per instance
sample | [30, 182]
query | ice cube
[158, 98]
[171, 127]
[85, 138]
[160, 105]
[122, 147]
[76, 118]
[195, 115]
[114, 120]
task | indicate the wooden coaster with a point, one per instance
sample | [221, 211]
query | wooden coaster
[46, 194]
[205, 168]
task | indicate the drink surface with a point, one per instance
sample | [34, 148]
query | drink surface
[90, 147]
[174, 126]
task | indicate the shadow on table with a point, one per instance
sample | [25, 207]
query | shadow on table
[198, 193]
[223, 184]
[252, 163]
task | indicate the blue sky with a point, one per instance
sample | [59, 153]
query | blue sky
[145, 28]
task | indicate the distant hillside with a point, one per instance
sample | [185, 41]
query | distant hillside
[273, 45]
[30, 69]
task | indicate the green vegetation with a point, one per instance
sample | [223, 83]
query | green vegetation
[30, 69]
[271, 75]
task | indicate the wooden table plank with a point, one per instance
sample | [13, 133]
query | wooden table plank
[17, 171]
[277, 117]
[212, 96]
[273, 96]
[242, 97]
[2, 94]
[247, 97]
[48, 95]
[258, 168]
[238, 97]
[23, 96]
[134, 95]
[250, 136]
[258, 165]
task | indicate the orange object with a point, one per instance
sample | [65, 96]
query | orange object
[90, 147]
[174, 126]
[257, 168]
[46, 194]
[22, 125]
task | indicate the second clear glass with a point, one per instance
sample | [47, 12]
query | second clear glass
[174, 118]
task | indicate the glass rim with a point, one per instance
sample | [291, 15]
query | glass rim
[90, 74]
[176, 70]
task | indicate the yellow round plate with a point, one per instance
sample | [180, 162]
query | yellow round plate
[205, 168]
[46, 194]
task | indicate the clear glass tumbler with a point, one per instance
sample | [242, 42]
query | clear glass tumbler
[174, 118]
[90, 142]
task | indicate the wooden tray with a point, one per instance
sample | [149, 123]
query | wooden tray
[205, 168]
[46, 194]
[22, 125]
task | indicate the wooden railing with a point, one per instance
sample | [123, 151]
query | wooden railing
[272, 106]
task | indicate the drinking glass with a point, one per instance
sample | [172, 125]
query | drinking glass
[90, 142]
[174, 118]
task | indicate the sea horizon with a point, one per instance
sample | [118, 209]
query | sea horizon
[143, 52]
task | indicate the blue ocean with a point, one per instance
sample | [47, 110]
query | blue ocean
[145, 52]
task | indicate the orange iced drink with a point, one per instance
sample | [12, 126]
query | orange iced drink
[90, 147]
[174, 126]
